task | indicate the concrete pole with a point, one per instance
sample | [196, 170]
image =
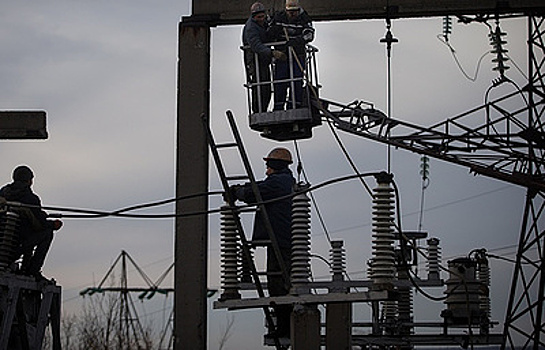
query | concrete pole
[339, 326]
[191, 241]
[305, 327]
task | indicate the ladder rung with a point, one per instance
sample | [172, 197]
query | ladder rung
[259, 242]
[267, 273]
[276, 273]
[237, 177]
[225, 145]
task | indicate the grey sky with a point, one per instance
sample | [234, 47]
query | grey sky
[106, 74]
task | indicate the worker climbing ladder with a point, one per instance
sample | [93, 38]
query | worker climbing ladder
[232, 211]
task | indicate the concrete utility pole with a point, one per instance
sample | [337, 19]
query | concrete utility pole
[193, 100]
[191, 244]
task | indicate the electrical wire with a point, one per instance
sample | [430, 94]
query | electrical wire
[99, 214]
[431, 208]
[389, 40]
[315, 204]
[460, 67]
[122, 212]
[517, 66]
[347, 156]
[337, 138]
[318, 212]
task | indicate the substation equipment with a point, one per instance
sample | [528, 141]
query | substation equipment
[495, 140]
[392, 280]
[27, 306]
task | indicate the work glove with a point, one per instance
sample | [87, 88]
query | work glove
[232, 191]
[279, 55]
[293, 42]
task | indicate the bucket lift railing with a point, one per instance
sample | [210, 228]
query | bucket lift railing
[309, 77]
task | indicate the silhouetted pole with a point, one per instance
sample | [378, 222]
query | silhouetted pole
[191, 243]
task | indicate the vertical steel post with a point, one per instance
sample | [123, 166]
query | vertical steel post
[524, 317]
[191, 241]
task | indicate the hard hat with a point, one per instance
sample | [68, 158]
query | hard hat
[292, 5]
[257, 7]
[280, 153]
[22, 173]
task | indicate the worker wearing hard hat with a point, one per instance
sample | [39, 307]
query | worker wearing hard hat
[278, 183]
[293, 25]
[35, 233]
[254, 38]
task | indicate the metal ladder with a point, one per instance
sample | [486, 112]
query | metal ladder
[249, 177]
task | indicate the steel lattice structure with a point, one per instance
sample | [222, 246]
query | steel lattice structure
[508, 149]
[524, 316]
[503, 139]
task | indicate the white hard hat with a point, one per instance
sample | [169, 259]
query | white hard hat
[292, 5]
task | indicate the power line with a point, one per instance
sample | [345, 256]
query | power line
[440, 206]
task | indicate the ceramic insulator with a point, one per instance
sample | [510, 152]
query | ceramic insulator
[8, 239]
[229, 255]
[338, 260]
[483, 274]
[300, 254]
[389, 311]
[383, 256]
[434, 256]
[405, 308]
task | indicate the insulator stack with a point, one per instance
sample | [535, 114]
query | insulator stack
[498, 49]
[389, 315]
[447, 27]
[463, 293]
[245, 272]
[300, 253]
[483, 275]
[8, 239]
[229, 255]
[338, 260]
[383, 255]
[405, 304]
[434, 257]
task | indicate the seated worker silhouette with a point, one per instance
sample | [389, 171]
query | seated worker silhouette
[36, 231]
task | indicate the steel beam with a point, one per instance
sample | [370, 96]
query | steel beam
[303, 299]
[236, 11]
[23, 125]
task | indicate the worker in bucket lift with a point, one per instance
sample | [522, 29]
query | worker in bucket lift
[255, 36]
[36, 231]
[293, 26]
[278, 183]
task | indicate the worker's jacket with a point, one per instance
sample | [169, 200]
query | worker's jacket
[32, 220]
[278, 184]
[296, 31]
[255, 36]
